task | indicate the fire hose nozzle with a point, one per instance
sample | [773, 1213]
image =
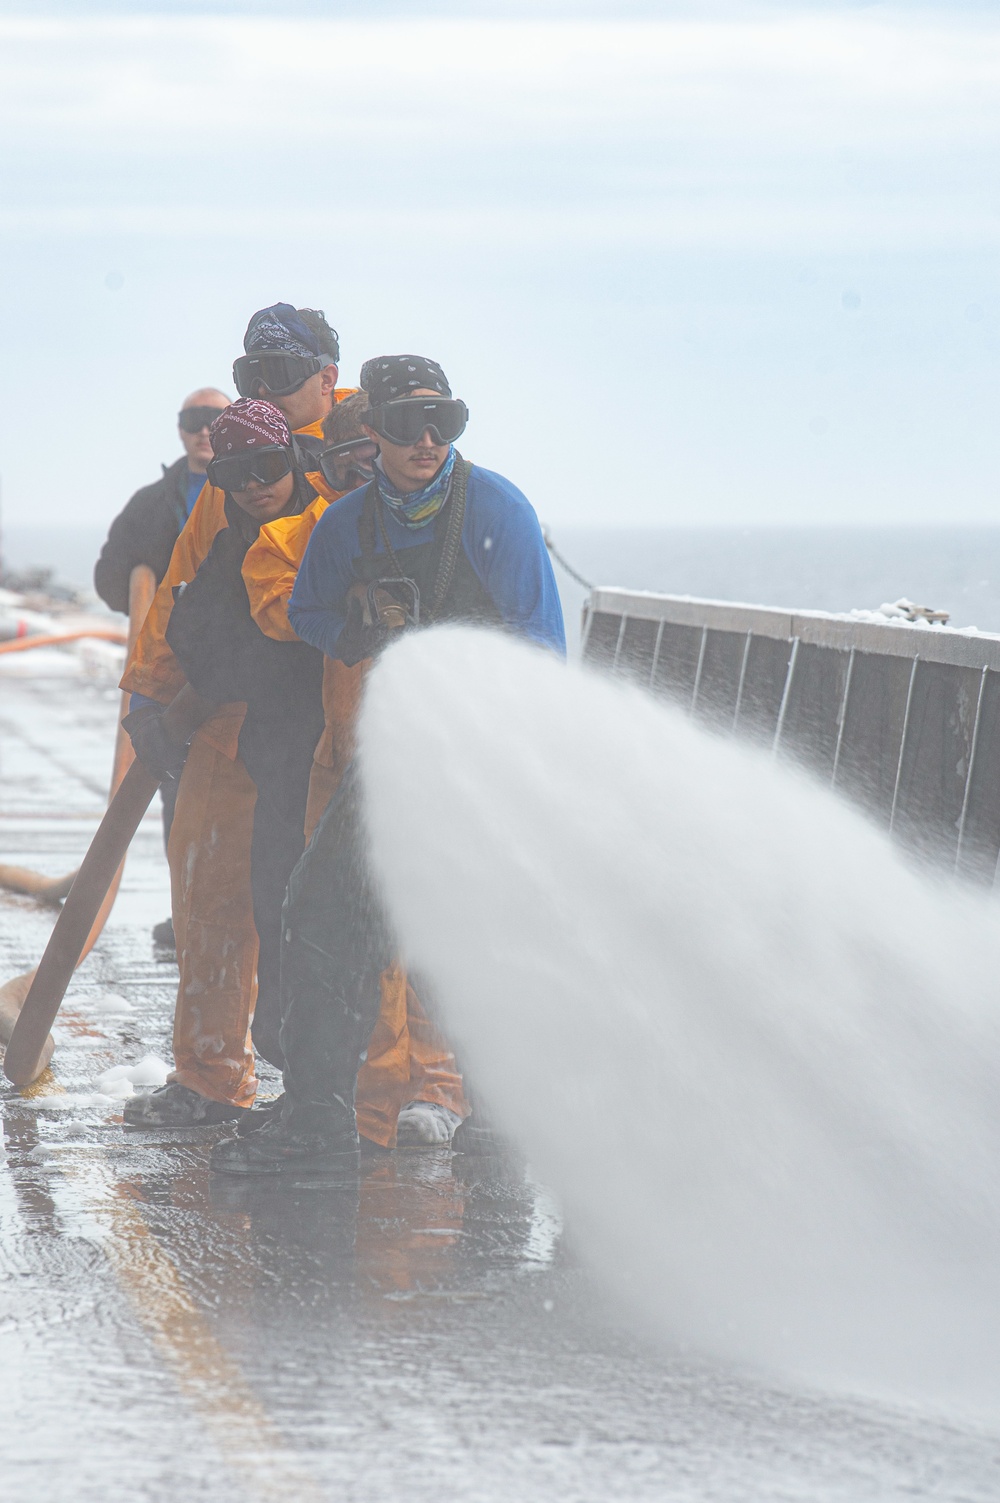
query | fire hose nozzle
[386, 610]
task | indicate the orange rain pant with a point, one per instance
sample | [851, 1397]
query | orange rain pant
[407, 1060]
[209, 857]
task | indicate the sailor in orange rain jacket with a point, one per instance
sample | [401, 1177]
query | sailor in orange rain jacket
[209, 853]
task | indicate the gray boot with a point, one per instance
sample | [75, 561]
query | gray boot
[174, 1106]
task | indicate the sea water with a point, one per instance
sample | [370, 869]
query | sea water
[753, 1049]
[956, 569]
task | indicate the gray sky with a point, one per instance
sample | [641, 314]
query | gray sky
[686, 262]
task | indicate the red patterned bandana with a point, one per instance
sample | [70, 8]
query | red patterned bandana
[248, 424]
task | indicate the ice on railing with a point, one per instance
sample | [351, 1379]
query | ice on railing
[904, 612]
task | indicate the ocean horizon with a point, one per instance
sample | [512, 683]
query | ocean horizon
[952, 568]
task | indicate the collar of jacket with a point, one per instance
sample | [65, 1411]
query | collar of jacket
[315, 431]
[175, 479]
[311, 430]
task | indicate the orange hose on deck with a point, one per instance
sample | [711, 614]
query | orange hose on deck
[54, 889]
[100, 633]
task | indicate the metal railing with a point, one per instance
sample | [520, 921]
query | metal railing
[904, 720]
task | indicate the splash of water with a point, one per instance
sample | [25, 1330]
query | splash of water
[754, 1051]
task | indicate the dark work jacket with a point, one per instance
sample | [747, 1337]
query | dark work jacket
[226, 657]
[465, 599]
[143, 533]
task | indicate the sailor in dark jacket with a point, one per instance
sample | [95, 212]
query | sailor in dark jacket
[227, 658]
[146, 530]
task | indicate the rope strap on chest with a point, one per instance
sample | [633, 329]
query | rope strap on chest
[449, 545]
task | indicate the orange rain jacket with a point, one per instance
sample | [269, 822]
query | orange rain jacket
[152, 669]
[209, 851]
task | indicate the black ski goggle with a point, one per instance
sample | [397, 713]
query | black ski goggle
[281, 374]
[404, 421]
[348, 465]
[234, 472]
[194, 419]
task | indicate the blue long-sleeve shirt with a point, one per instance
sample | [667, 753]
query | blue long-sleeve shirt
[501, 538]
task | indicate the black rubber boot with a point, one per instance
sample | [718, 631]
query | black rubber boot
[277, 1149]
[335, 945]
[277, 750]
[173, 1105]
[275, 849]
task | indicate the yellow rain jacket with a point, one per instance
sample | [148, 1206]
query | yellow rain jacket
[209, 848]
[152, 669]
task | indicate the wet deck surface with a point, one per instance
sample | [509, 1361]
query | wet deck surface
[420, 1334]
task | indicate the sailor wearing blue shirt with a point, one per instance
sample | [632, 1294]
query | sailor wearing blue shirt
[466, 537]
[430, 538]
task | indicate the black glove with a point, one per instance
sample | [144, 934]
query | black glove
[359, 639]
[155, 748]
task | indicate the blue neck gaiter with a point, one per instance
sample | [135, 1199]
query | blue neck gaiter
[417, 508]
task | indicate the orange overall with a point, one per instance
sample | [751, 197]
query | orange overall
[209, 847]
[208, 852]
[407, 1058]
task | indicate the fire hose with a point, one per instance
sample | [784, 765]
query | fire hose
[14, 993]
[142, 588]
[33, 885]
[97, 633]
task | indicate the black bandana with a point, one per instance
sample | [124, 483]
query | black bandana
[280, 328]
[389, 377]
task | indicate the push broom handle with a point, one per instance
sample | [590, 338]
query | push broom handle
[141, 589]
[97, 872]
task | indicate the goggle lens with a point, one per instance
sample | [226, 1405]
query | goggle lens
[234, 472]
[281, 374]
[404, 421]
[194, 419]
[348, 465]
